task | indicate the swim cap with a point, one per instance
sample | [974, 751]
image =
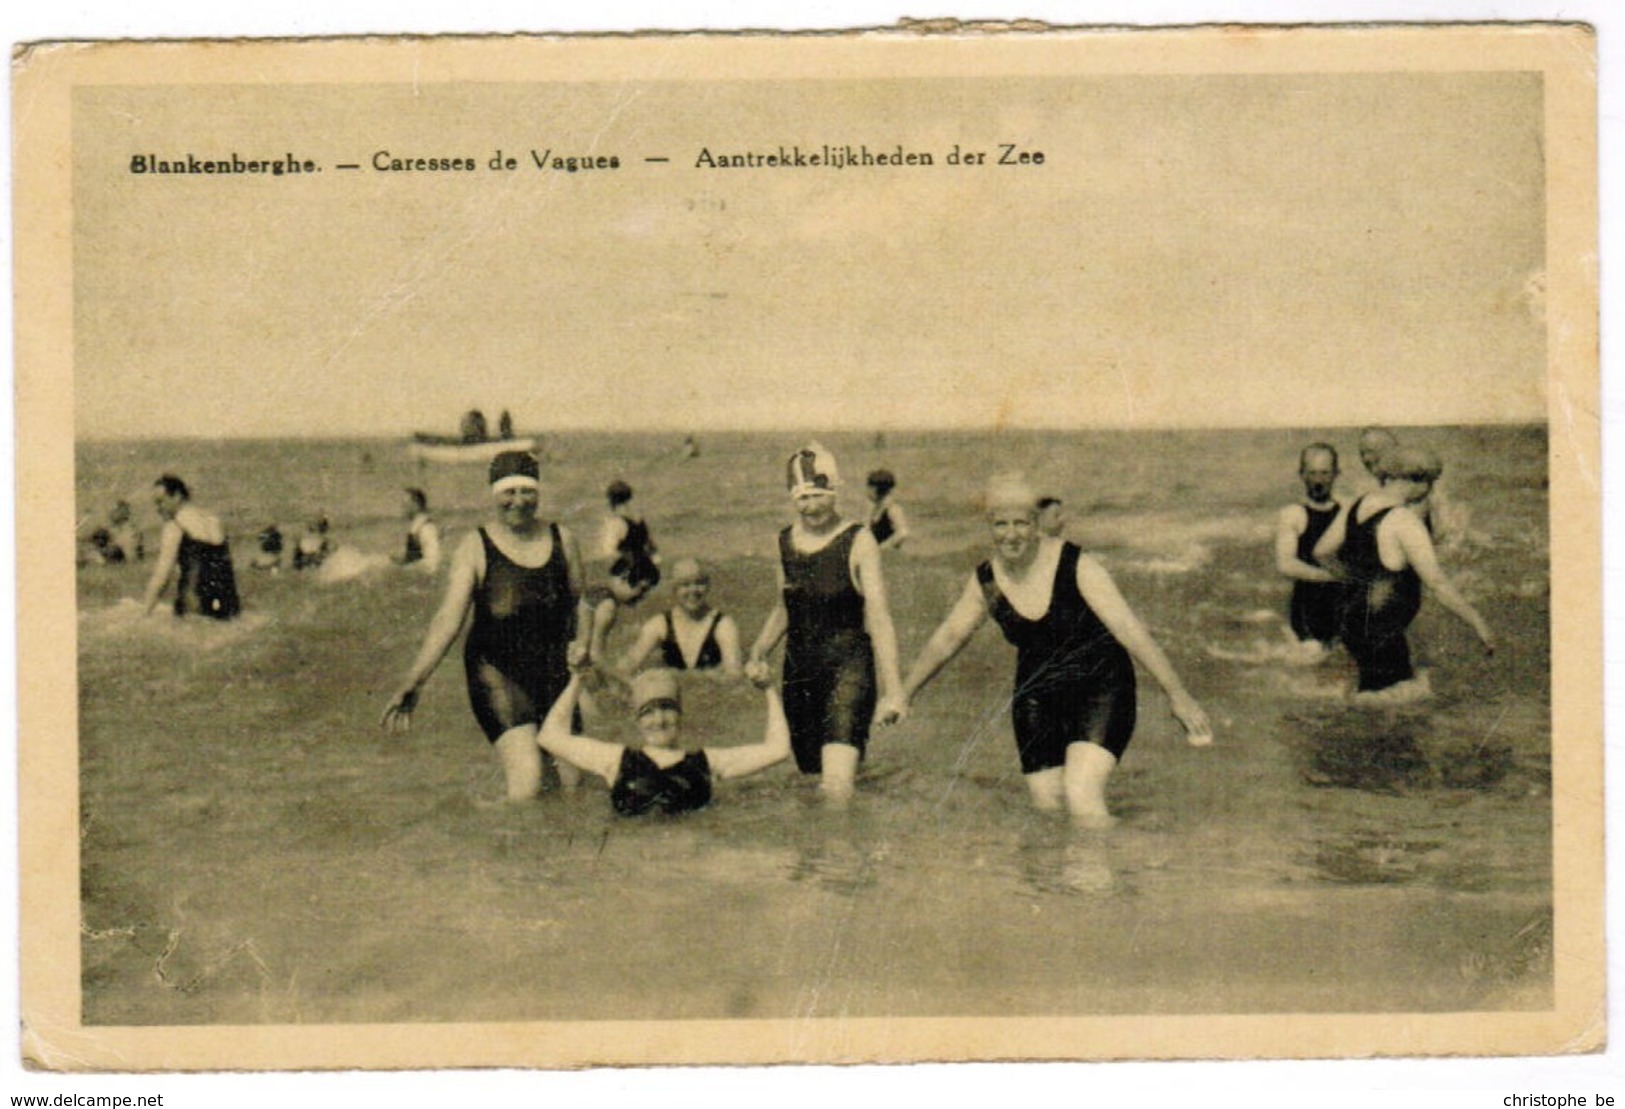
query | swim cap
[511, 468]
[656, 689]
[1411, 464]
[688, 569]
[1009, 491]
[811, 470]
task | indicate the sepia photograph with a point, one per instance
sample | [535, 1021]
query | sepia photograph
[944, 543]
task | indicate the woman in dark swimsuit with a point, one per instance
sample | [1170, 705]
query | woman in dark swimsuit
[888, 523]
[1076, 641]
[1386, 555]
[657, 775]
[194, 541]
[522, 579]
[691, 635]
[833, 608]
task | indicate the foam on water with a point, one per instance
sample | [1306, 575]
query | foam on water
[124, 621]
[347, 563]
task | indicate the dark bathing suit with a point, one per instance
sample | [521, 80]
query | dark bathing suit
[516, 653]
[414, 547]
[1317, 606]
[642, 785]
[206, 571]
[1074, 681]
[881, 526]
[1381, 605]
[829, 663]
[710, 656]
[634, 561]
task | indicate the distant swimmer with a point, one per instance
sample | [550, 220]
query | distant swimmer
[834, 617]
[1076, 641]
[1317, 596]
[1051, 516]
[656, 775]
[634, 563]
[269, 546]
[888, 523]
[422, 533]
[1386, 557]
[690, 448]
[314, 544]
[521, 577]
[195, 542]
[118, 541]
[691, 635]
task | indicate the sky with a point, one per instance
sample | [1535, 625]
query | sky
[1194, 250]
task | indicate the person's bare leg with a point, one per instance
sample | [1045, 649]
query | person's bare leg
[1046, 787]
[1088, 767]
[521, 762]
[840, 772]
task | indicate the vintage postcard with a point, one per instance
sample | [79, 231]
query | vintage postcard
[937, 544]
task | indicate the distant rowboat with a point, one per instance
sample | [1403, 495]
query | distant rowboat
[448, 448]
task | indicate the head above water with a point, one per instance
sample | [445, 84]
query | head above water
[881, 482]
[811, 470]
[618, 493]
[1318, 469]
[417, 499]
[657, 702]
[514, 469]
[173, 486]
[1051, 515]
[1374, 443]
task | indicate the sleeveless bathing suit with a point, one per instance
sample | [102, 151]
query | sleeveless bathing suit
[1317, 606]
[634, 560]
[206, 571]
[829, 663]
[515, 655]
[414, 546]
[710, 654]
[1381, 604]
[881, 526]
[642, 785]
[1074, 681]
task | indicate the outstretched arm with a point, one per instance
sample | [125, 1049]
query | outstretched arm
[1101, 593]
[592, 755]
[871, 582]
[736, 762]
[1419, 552]
[443, 628]
[773, 628]
[968, 613]
[1289, 529]
[169, 551]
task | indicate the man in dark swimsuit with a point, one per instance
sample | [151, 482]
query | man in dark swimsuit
[194, 542]
[1316, 610]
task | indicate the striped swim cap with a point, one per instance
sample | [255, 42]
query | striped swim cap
[811, 470]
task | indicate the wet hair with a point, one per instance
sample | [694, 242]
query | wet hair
[420, 499]
[173, 486]
[618, 493]
[1317, 448]
[882, 481]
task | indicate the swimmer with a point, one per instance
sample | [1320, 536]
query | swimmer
[116, 542]
[1316, 610]
[833, 614]
[634, 568]
[1374, 443]
[1446, 522]
[521, 577]
[269, 555]
[422, 533]
[657, 775]
[1386, 558]
[194, 541]
[888, 523]
[1076, 643]
[691, 635]
[313, 545]
[1051, 516]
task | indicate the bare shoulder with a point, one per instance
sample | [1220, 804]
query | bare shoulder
[1293, 516]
